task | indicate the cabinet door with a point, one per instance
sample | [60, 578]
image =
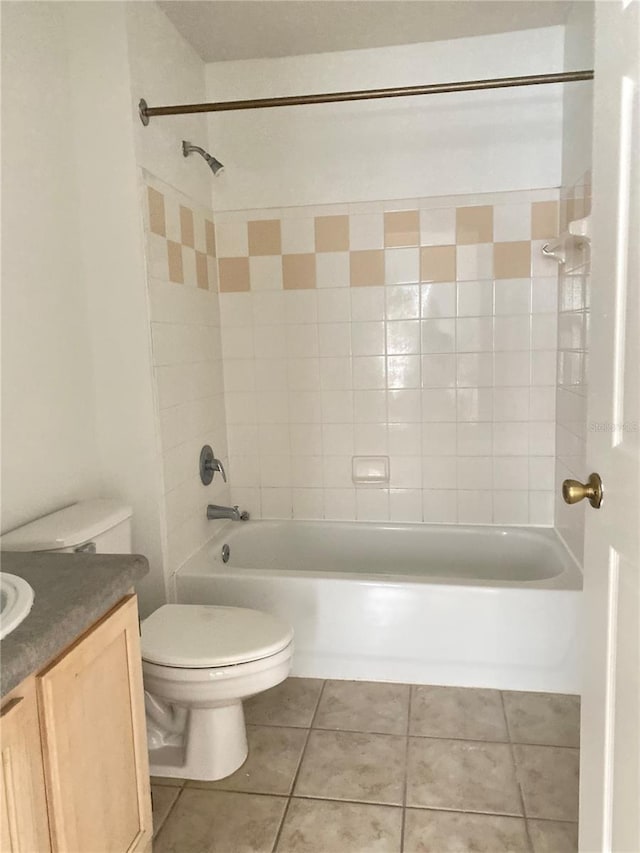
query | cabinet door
[23, 808]
[94, 740]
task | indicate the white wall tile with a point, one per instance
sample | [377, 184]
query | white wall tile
[438, 226]
[301, 306]
[334, 339]
[402, 266]
[474, 262]
[297, 236]
[438, 299]
[276, 503]
[334, 306]
[440, 506]
[232, 240]
[513, 296]
[366, 231]
[403, 337]
[405, 505]
[370, 439]
[511, 222]
[475, 298]
[367, 303]
[372, 505]
[333, 269]
[475, 506]
[403, 302]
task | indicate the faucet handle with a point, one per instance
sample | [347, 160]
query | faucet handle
[216, 465]
[209, 465]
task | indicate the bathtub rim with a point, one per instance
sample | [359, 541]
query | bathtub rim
[205, 561]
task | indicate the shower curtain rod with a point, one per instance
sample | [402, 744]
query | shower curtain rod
[146, 112]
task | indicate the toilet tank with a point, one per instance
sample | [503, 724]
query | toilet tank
[101, 526]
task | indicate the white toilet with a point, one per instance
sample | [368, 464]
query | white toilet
[199, 661]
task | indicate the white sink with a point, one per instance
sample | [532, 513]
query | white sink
[16, 600]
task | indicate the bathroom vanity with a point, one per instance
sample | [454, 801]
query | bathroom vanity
[74, 770]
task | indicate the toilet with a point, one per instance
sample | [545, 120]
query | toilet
[199, 662]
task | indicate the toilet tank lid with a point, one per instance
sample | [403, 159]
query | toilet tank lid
[67, 527]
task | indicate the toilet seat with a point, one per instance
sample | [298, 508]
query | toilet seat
[197, 636]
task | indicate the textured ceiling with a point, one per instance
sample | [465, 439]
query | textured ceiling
[248, 29]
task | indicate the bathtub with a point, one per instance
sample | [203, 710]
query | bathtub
[466, 606]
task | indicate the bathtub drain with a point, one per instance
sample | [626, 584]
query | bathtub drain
[226, 553]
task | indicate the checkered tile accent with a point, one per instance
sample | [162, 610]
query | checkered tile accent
[307, 248]
[181, 241]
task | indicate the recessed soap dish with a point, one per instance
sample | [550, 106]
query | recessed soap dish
[370, 470]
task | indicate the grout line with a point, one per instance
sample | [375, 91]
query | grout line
[516, 773]
[156, 835]
[297, 773]
[406, 769]
[417, 808]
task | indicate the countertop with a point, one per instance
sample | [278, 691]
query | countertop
[72, 591]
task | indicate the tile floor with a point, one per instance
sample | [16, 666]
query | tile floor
[363, 767]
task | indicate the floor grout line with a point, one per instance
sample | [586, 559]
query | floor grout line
[156, 835]
[297, 773]
[516, 773]
[406, 771]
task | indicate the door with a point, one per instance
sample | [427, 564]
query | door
[610, 742]
[94, 740]
[23, 806]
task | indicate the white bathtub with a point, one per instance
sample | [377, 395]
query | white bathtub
[431, 604]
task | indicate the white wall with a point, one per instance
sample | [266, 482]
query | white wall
[48, 429]
[388, 149]
[111, 248]
[165, 69]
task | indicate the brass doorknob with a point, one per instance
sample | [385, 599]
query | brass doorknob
[574, 491]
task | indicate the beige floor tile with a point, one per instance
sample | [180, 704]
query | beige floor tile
[162, 798]
[550, 836]
[274, 755]
[221, 822]
[428, 831]
[353, 766]
[292, 703]
[544, 718]
[457, 712]
[462, 775]
[549, 780]
[364, 706]
[312, 826]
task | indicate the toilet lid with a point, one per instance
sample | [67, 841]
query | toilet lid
[199, 636]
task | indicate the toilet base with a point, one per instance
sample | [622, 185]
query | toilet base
[216, 746]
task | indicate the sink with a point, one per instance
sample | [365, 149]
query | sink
[16, 600]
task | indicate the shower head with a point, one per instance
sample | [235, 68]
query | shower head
[215, 165]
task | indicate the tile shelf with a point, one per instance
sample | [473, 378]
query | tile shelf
[577, 234]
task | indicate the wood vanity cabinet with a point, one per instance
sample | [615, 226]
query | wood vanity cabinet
[92, 742]
[24, 825]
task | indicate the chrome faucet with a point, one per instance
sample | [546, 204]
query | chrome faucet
[232, 512]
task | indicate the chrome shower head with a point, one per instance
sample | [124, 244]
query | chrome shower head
[215, 165]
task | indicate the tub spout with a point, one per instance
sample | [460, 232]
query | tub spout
[232, 512]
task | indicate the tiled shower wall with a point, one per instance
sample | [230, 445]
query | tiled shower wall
[423, 330]
[187, 358]
[573, 343]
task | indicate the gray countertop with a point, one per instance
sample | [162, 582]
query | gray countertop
[72, 591]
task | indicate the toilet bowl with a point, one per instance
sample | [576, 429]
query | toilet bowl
[199, 662]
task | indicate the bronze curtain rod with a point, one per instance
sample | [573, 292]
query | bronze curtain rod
[363, 94]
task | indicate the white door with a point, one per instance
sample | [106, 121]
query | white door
[610, 739]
